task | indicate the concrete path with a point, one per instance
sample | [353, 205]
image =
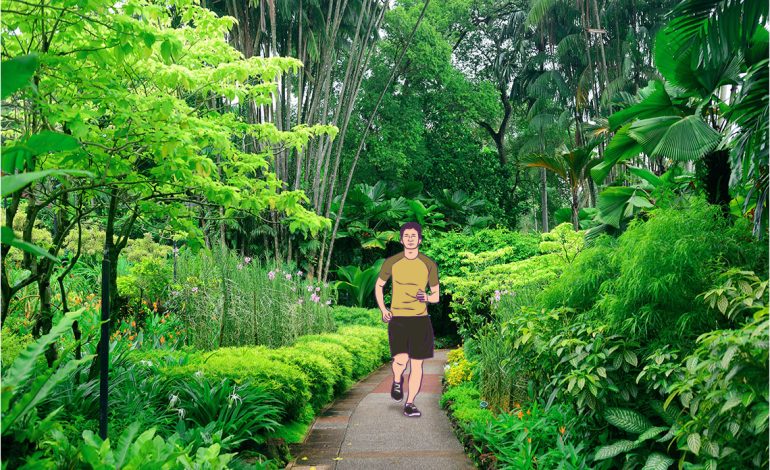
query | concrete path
[366, 428]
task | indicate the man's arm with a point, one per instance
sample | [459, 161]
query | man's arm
[378, 294]
[433, 297]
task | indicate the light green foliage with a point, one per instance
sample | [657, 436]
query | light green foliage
[564, 241]
[91, 242]
[357, 316]
[445, 248]
[339, 357]
[663, 264]
[365, 356]
[474, 291]
[464, 402]
[139, 248]
[321, 373]
[286, 382]
[12, 345]
[147, 280]
[579, 286]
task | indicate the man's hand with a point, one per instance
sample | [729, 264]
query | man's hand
[386, 316]
[421, 296]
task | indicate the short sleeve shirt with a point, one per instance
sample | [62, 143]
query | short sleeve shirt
[409, 276]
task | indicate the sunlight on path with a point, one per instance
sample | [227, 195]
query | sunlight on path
[366, 428]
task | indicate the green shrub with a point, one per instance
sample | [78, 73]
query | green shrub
[375, 337]
[340, 359]
[473, 294]
[12, 345]
[465, 404]
[578, 287]
[147, 280]
[365, 359]
[663, 264]
[321, 373]
[444, 248]
[286, 382]
[357, 316]
[140, 249]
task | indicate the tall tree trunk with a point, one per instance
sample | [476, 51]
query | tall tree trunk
[544, 199]
[393, 74]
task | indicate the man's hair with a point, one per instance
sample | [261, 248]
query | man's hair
[413, 226]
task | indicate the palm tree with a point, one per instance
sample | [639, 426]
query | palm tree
[569, 165]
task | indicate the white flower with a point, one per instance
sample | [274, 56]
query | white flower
[181, 412]
[173, 400]
[328, 302]
[317, 289]
[247, 260]
[299, 273]
[199, 374]
[309, 288]
[234, 397]
[240, 266]
[288, 277]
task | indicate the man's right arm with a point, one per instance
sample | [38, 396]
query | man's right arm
[378, 293]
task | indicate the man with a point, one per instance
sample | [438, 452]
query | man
[409, 327]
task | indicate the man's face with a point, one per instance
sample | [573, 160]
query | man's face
[410, 239]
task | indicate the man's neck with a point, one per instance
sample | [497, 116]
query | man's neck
[411, 254]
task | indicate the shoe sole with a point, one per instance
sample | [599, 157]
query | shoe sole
[412, 415]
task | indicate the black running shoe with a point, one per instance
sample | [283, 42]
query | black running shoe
[396, 390]
[411, 410]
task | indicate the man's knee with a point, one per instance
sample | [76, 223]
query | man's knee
[416, 362]
[400, 359]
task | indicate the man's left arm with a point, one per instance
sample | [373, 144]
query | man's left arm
[433, 297]
[433, 283]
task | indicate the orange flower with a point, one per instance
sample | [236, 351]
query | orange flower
[155, 306]
[163, 320]
[131, 337]
[133, 323]
[520, 414]
[562, 429]
[162, 340]
[528, 412]
[516, 404]
[529, 439]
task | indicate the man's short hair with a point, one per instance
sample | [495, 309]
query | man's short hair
[413, 226]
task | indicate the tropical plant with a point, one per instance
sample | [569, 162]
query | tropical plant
[646, 434]
[358, 283]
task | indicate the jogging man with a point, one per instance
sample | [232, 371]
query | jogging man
[409, 327]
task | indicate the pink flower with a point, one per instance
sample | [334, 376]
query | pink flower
[310, 288]
[194, 289]
[314, 298]
[271, 275]
[247, 260]
[288, 277]
[317, 289]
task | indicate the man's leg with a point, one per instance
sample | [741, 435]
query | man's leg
[399, 365]
[415, 379]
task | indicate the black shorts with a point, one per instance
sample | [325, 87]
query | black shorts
[411, 335]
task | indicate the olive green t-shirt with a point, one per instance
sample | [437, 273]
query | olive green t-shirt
[409, 276]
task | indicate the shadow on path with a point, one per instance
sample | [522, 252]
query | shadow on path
[366, 428]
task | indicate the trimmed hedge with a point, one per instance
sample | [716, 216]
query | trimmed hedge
[303, 377]
[358, 316]
[322, 374]
[286, 382]
[340, 358]
[368, 346]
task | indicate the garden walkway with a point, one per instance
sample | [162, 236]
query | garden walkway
[366, 428]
